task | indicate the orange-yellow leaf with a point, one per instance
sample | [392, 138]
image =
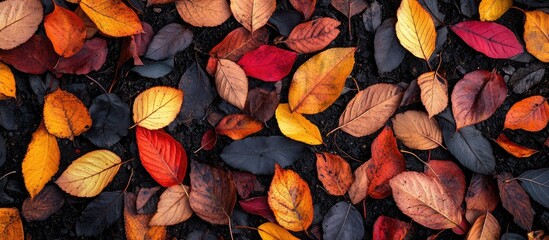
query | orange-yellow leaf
[136, 225]
[434, 92]
[11, 226]
[238, 126]
[173, 206]
[41, 161]
[157, 107]
[272, 231]
[491, 10]
[530, 114]
[319, 81]
[66, 31]
[536, 34]
[417, 131]
[200, 13]
[112, 17]
[65, 116]
[290, 199]
[253, 14]
[296, 126]
[513, 148]
[231, 83]
[7, 82]
[334, 173]
[415, 29]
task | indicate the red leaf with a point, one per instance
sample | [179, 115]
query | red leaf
[209, 139]
[36, 56]
[450, 175]
[386, 228]
[492, 39]
[513, 148]
[239, 42]
[246, 183]
[268, 63]
[90, 58]
[307, 7]
[482, 197]
[258, 206]
[387, 162]
[162, 156]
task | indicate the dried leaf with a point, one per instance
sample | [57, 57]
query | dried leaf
[168, 41]
[199, 93]
[450, 175]
[295, 126]
[334, 173]
[157, 107]
[535, 182]
[231, 83]
[388, 52]
[491, 10]
[434, 92]
[343, 221]
[18, 21]
[100, 214]
[387, 162]
[415, 29]
[272, 231]
[112, 17]
[513, 148]
[494, 40]
[268, 63]
[200, 13]
[349, 8]
[35, 56]
[209, 140]
[90, 58]
[386, 228]
[173, 207]
[136, 225]
[253, 14]
[47, 202]
[515, 200]
[307, 7]
[65, 116]
[7, 82]
[416, 130]
[485, 227]
[238, 126]
[111, 120]
[91, 28]
[313, 36]
[261, 104]
[536, 36]
[372, 17]
[359, 188]
[530, 114]
[258, 206]
[238, 42]
[65, 30]
[246, 183]
[11, 226]
[482, 197]
[525, 78]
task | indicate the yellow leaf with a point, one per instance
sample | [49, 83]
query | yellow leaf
[491, 10]
[296, 126]
[319, 81]
[88, 175]
[271, 231]
[41, 161]
[157, 107]
[112, 17]
[434, 92]
[415, 29]
[536, 34]
[65, 116]
[11, 226]
[137, 225]
[7, 82]
[173, 206]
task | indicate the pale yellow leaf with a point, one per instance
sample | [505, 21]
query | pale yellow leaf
[415, 29]
[157, 107]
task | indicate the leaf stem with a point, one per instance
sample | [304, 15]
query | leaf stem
[7, 174]
[129, 181]
[96, 82]
[413, 154]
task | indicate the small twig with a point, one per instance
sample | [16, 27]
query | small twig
[96, 82]
[129, 181]
[413, 154]
[356, 84]
[7, 174]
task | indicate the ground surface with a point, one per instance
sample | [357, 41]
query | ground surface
[457, 59]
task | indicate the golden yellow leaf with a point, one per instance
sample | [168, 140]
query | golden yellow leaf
[319, 81]
[253, 14]
[272, 231]
[137, 225]
[88, 175]
[7, 82]
[417, 131]
[112, 17]
[65, 116]
[296, 126]
[290, 199]
[41, 161]
[491, 10]
[434, 92]
[157, 107]
[11, 226]
[415, 29]
[200, 13]
[173, 206]
[231, 83]
[536, 34]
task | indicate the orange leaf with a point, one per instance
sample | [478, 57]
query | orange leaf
[359, 189]
[536, 34]
[513, 148]
[515, 200]
[530, 114]
[253, 14]
[11, 226]
[91, 28]
[136, 225]
[112, 17]
[485, 227]
[65, 30]
[231, 83]
[200, 13]
[290, 199]
[65, 116]
[7, 82]
[334, 173]
[238, 126]
[491, 10]
[481, 197]
[313, 36]
[387, 162]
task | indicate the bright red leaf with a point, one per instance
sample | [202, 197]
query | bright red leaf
[492, 39]
[258, 206]
[268, 63]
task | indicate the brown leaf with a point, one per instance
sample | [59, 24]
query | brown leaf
[47, 202]
[136, 225]
[485, 227]
[417, 131]
[513, 148]
[238, 126]
[144, 196]
[239, 42]
[359, 188]
[90, 58]
[18, 21]
[253, 14]
[450, 175]
[231, 83]
[200, 13]
[313, 36]
[159, 2]
[434, 92]
[334, 173]
[307, 7]
[349, 8]
[387, 162]
[515, 200]
[36, 56]
[246, 183]
[173, 207]
[11, 226]
[261, 104]
[481, 197]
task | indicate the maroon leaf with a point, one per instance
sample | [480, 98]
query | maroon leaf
[386, 228]
[246, 183]
[268, 63]
[47, 202]
[515, 200]
[35, 56]
[209, 139]
[258, 206]
[261, 104]
[492, 39]
[90, 58]
[482, 197]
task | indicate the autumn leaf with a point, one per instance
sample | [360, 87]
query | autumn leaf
[535, 183]
[306, 7]
[238, 126]
[343, 221]
[168, 41]
[65, 116]
[530, 114]
[231, 83]
[268, 63]
[253, 14]
[492, 39]
[258, 206]
[209, 140]
[319, 81]
[261, 104]
[90, 58]
[359, 188]
[416, 130]
[7, 82]
[88, 175]
[200, 13]
[491, 10]
[238, 42]
[415, 29]
[173, 207]
[246, 183]
[513, 148]
[91, 28]
[35, 56]
[515, 200]
[481, 197]
[536, 34]
[387, 162]
[18, 21]
[47, 202]
[100, 214]
[450, 175]
[41, 161]
[295, 126]
[291, 201]
[485, 227]
[434, 92]
[387, 228]
[272, 231]
[334, 173]
[157, 107]
[65, 30]
[112, 17]
[313, 35]
[136, 225]
[11, 226]
[349, 8]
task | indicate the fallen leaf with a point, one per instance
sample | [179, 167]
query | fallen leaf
[434, 92]
[91, 28]
[100, 214]
[35, 56]
[515, 200]
[238, 42]
[11, 226]
[142, 40]
[306, 7]
[535, 182]
[530, 114]
[90, 58]
[258, 155]
[65, 116]
[372, 17]
[162, 156]
[47, 202]
[268, 63]
[213, 194]
[238, 126]
[136, 225]
[491, 10]
[387, 162]
[18, 21]
[199, 93]
[209, 140]
[387, 228]
[154, 69]
[258, 206]
[158, 2]
[295, 126]
[358, 190]
[482, 197]
[431, 6]
[272, 231]
[231, 83]
[147, 199]
[7, 82]
[485, 227]
[388, 52]
[253, 14]
[349, 8]
[261, 104]
[246, 183]
[536, 34]
[492, 39]
[173, 207]
[525, 78]
[450, 176]
[201, 13]
[425, 200]
[514, 149]
[318, 82]
[313, 36]
[112, 17]
[157, 107]
[65, 30]
[334, 173]
[416, 130]
[291, 201]
[168, 41]
[415, 29]
[370, 109]
[477, 96]
[111, 120]
[343, 221]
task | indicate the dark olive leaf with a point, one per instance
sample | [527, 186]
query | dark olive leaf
[534, 3]
[41, 88]
[285, 20]
[100, 213]
[111, 120]
[343, 222]
[2, 151]
[199, 93]
[468, 8]
[261, 104]
[7, 114]
[154, 69]
[525, 78]
[372, 17]
[536, 183]
[467, 144]
[47, 202]
[512, 236]
[388, 52]
[168, 41]
[259, 154]
[432, 7]
[201, 235]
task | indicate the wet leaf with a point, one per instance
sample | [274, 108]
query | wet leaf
[136, 225]
[90, 58]
[246, 183]
[261, 104]
[530, 114]
[334, 173]
[111, 120]
[201, 13]
[415, 29]
[291, 201]
[492, 39]
[199, 93]
[35, 56]
[296, 126]
[425, 200]
[11, 226]
[18, 21]
[482, 197]
[65, 116]
[491, 10]
[238, 126]
[535, 182]
[253, 14]
[173, 207]
[7, 82]
[434, 92]
[349, 8]
[100, 214]
[387, 162]
[514, 149]
[112, 18]
[450, 176]
[343, 221]
[485, 227]
[272, 231]
[388, 52]
[162, 156]
[359, 188]
[47, 202]
[525, 78]
[372, 17]
[307, 7]
[213, 193]
[154, 69]
[268, 63]
[515, 200]
[258, 155]
[477, 96]
[231, 83]
[258, 206]
[416, 130]
[313, 36]
[168, 41]
[157, 107]
[387, 228]
[65, 30]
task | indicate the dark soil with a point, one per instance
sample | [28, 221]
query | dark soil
[457, 59]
